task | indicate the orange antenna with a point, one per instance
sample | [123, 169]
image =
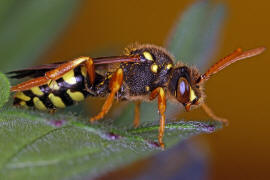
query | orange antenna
[237, 55]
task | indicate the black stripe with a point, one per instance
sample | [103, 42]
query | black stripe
[29, 94]
[45, 99]
[47, 102]
[29, 103]
[65, 98]
[45, 89]
[79, 78]
[63, 85]
[16, 101]
[62, 92]
[81, 81]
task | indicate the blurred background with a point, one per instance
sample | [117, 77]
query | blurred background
[239, 93]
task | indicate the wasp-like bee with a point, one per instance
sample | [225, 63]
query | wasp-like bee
[144, 73]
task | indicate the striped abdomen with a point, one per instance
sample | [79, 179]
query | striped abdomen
[65, 91]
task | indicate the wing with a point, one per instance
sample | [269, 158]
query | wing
[38, 71]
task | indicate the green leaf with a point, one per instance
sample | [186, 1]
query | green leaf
[36, 145]
[4, 89]
[4, 8]
[194, 38]
[28, 27]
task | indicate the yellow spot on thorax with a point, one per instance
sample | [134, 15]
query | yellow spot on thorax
[192, 95]
[147, 88]
[75, 96]
[154, 68]
[69, 77]
[36, 90]
[39, 104]
[22, 96]
[169, 66]
[53, 85]
[57, 101]
[148, 56]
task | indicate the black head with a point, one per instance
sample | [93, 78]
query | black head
[186, 83]
[184, 87]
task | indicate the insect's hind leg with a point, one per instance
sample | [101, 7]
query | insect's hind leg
[64, 68]
[58, 73]
[115, 84]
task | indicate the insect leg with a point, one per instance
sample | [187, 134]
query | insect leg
[64, 68]
[162, 108]
[29, 84]
[115, 84]
[136, 121]
[57, 73]
[211, 114]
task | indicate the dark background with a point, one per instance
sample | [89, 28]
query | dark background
[239, 93]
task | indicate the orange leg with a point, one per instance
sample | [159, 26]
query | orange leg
[211, 114]
[162, 108]
[136, 121]
[29, 84]
[57, 73]
[64, 68]
[115, 84]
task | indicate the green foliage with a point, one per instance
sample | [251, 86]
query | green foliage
[4, 89]
[37, 145]
[28, 27]
[193, 40]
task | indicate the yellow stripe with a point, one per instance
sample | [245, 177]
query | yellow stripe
[39, 104]
[83, 71]
[22, 96]
[69, 77]
[23, 104]
[57, 101]
[75, 96]
[53, 85]
[36, 90]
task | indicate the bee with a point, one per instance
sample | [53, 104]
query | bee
[143, 73]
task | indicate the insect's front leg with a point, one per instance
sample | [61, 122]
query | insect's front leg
[162, 108]
[116, 82]
[211, 114]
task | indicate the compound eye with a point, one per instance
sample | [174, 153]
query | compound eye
[183, 91]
